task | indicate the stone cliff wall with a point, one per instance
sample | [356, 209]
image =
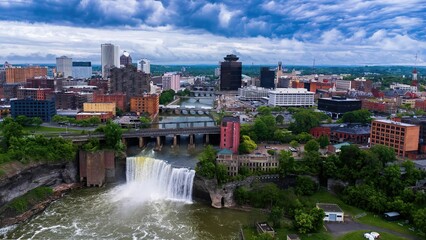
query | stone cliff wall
[220, 196]
[36, 175]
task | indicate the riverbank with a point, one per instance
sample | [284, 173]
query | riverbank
[58, 192]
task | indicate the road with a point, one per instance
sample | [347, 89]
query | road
[338, 229]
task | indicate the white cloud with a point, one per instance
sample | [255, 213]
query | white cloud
[168, 45]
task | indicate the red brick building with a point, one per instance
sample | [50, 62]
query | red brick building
[149, 103]
[34, 93]
[230, 134]
[379, 106]
[338, 133]
[118, 98]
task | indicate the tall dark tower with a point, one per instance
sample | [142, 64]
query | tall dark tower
[125, 59]
[267, 77]
[230, 73]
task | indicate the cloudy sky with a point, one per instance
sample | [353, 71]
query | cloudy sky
[340, 32]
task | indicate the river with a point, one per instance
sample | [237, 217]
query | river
[134, 210]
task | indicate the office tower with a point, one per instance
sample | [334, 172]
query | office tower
[82, 69]
[109, 58]
[267, 77]
[125, 59]
[279, 74]
[230, 73]
[144, 66]
[171, 80]
[129, 81]
[64, 66]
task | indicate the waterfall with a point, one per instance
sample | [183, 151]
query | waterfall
[159, 179]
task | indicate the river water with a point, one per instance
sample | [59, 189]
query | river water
[137, 209]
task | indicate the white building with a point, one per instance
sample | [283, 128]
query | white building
[333, 213]
[82, 69]
[343, 85]
[109, 58]
[144, 65]
[171, 80]
[291, 97]
[404, 87]
[252, 93]
[64, 66]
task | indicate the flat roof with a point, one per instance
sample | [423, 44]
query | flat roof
[290, 90]
[395, 122]
[329, 207]
[341, 99]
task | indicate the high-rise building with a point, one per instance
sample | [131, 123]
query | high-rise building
[21, 74]
[230, 73]
[82, 69]
[279, 73]
[109, 58]
[144, 66]
[129, 81]
[171, 80]
[64, 66]
[125, 59]
[267, 77]
[230, 134]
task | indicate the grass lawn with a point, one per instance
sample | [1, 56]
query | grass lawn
[359, 235]
[369, 218]
[43, 129]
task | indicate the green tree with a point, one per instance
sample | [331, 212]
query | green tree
[242, 195]
[304, 222]
[23, 120]
[323, 141]
[207, 159]
[357, 116]
[384, 153]
[419, 218]
[312, 146]
[284, 136]
[36, 121]
[305, 186]
[275, 216]
[304, 120]
[145, 121]
[247, 145]
[264, 110]
[286, 165]
[303, 137]
[294, 144]
[113, 134]
[279, 119]
[221, 173]
[10, 128]
[167, 96]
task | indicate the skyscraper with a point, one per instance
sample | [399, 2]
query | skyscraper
[144, 66]
[267, 77]
[81, 69]
[171, 80]
[125, 59]
[64, 66]
[230, 73]
[109, 58]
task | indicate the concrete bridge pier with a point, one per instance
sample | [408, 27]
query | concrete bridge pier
[175, 141]
[191, 144]
[141, 142]
[206, 139]
[158, 144]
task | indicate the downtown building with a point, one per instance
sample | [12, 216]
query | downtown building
[402, 137]
[43, 109]
[267, 78]
[230, 134]
[144, 65]
[230, 73]
[338, 105]
[129, 81]
[82, 70]
[125, 59]
[109, 58]
[21, 74]
[145, 104]
[64, 67]
[171, 80]
[291, 97]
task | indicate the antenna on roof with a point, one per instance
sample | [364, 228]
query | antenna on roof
[313, 66]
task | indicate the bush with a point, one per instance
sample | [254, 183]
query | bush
[305, 186]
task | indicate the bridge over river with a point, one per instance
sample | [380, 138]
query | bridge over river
[144, 135]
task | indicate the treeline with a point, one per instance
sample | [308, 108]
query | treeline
[18, 145]
[92, 121]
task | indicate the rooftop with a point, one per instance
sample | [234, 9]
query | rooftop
[230, 119]
[394, 122]
[290, 90]
[329, 207]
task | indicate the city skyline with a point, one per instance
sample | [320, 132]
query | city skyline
[353, 32]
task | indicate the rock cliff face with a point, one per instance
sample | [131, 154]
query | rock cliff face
[35, 176]
[220, 196]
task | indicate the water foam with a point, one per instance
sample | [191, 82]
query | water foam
[153, 179]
